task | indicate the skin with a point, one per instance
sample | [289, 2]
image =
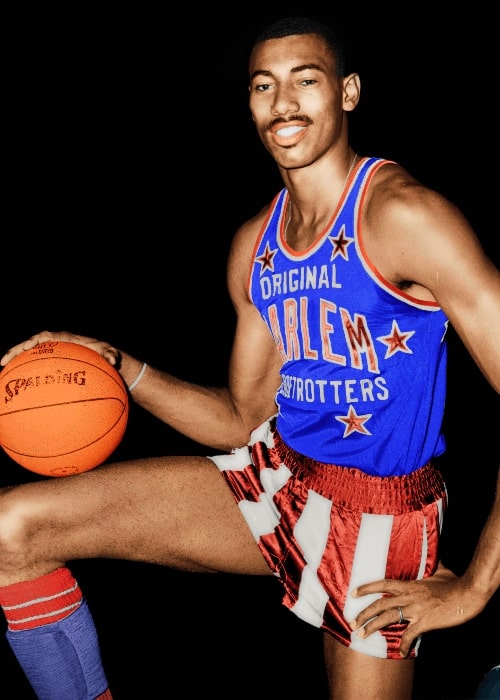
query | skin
[182, 514]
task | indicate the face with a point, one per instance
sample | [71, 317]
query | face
[297, 101]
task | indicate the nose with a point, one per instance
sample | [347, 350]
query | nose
[285, 102]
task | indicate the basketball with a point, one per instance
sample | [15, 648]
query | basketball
[63, 409]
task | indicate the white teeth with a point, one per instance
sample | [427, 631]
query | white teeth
[289, 130]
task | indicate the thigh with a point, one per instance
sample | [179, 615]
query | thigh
[174, 511]
[353, 675]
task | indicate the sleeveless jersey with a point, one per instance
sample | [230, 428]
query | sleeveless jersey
[364, 363]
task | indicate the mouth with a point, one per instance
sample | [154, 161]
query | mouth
[288, 133]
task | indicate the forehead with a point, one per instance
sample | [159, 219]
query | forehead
[290, 52]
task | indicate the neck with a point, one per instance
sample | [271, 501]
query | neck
[304, 223]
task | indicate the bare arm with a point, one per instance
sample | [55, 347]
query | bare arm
[224, 417]
[427, 244]
[220, 417]
[442, 600]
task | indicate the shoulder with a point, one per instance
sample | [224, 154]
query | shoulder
[246, 235]
[406, 225]
[242, 250]
[395, 193]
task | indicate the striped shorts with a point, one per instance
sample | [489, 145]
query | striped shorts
[324, 529]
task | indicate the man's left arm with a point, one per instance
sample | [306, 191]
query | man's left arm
[441, 252]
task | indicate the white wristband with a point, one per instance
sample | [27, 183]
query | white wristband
[139, 377]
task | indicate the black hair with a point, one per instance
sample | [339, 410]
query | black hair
[288, 26]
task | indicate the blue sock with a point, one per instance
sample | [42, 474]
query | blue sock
[62, 660]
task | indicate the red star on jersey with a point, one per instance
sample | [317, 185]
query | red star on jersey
[266, 259]
[396, 341]
[354, 423]
[340, 244]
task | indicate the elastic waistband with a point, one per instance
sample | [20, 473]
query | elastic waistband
[353, 488]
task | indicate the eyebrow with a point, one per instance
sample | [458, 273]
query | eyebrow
[296, 69]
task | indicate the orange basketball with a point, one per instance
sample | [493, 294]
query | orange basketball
[63, 409]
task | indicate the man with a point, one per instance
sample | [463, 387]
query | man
[343, 288]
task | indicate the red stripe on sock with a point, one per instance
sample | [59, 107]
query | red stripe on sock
[40, 601]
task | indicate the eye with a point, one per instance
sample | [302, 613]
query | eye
[308, 81]
[263, 87]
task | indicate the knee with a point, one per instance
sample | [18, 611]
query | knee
[17, 524]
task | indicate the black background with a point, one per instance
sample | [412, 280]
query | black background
[131, 160]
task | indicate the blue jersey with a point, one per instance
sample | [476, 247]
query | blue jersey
[364, 363]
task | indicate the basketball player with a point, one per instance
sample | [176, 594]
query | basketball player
[344, 286]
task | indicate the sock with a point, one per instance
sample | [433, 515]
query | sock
[52, 634]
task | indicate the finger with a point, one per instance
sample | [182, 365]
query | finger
[365, 627]
[381, 612]
[374, 618]
[408, 640]
[21, 347]
[44, 337]
[113, 356]
[387, 586]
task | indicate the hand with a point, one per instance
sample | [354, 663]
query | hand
[439, 601]
[111, 354]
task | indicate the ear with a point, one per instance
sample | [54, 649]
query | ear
[351, 92]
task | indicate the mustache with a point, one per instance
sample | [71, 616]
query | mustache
[293, 118]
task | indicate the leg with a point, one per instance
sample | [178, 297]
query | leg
[173, 511]
[176, 512]
[356, 676]
[328, 538]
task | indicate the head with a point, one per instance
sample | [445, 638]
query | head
[288, 26]
[300, 91]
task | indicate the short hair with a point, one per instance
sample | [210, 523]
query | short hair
[287, 26]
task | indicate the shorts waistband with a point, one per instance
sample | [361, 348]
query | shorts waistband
[353, 488]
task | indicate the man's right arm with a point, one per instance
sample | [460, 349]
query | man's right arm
[223, 417]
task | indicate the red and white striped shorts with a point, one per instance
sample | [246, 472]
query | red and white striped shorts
[324, 529]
